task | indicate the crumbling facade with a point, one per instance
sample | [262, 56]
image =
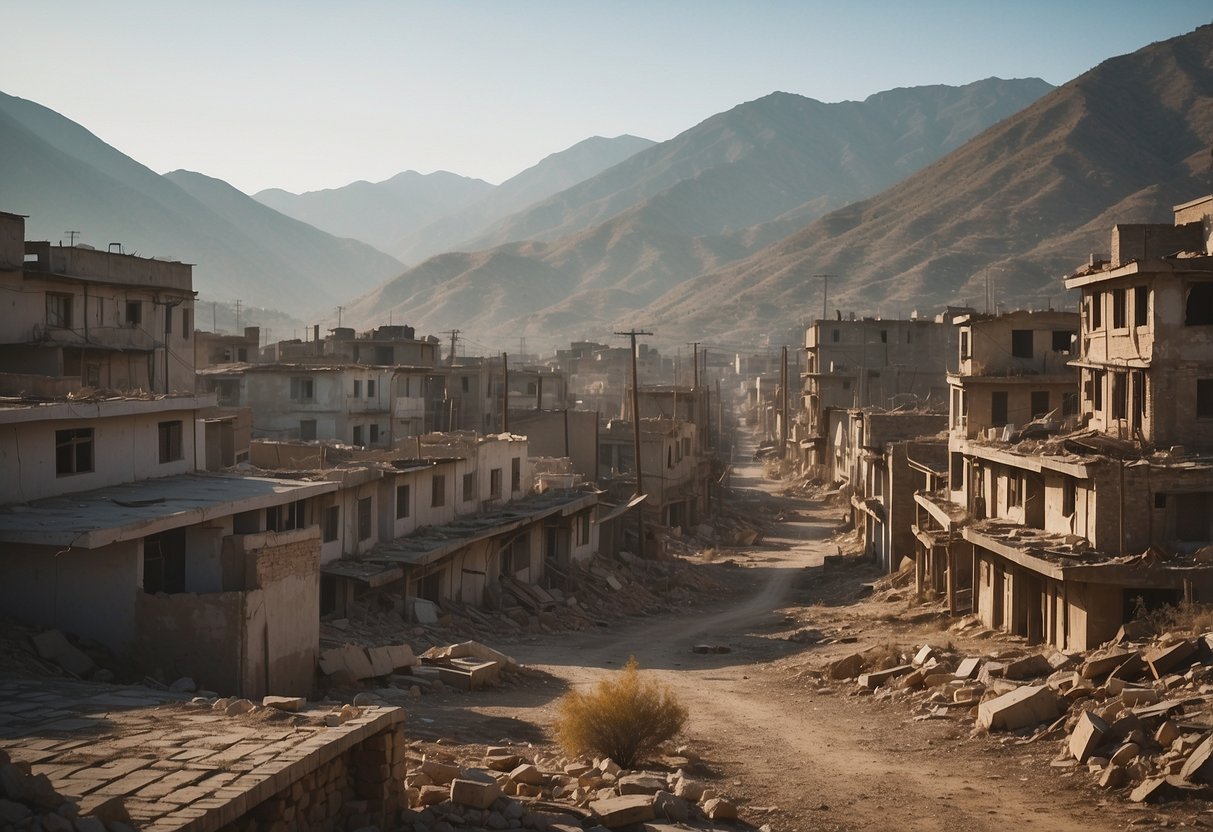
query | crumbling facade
[1080, 517]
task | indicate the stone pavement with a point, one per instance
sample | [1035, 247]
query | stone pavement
[176, 765]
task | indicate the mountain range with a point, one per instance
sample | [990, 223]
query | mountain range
[65, 178]
[911, 199]
[1028, 200]
[603, 249]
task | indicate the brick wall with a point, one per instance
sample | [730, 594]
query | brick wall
[361, 787]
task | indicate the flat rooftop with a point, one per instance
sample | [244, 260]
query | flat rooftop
[175, 765]
[434, 542]
[92, 519]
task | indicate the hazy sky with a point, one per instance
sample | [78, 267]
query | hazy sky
[306, 94]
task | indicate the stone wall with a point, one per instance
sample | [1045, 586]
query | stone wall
[361, 787]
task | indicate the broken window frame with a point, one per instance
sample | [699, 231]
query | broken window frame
[74, 452]
[1204, 398]
[1120, 308]
[365, 523]
[169, 435]
[1021, 343]
[438, 490]
[1198, 303]
[1141, 306]
[59, 310]
[332, 524]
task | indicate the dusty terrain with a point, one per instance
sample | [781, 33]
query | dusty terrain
[797, 753]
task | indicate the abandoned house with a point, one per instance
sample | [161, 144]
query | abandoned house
[1077, 522]
[107, 528]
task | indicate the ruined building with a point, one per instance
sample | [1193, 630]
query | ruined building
[1068, 511]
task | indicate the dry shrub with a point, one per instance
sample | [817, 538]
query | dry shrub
[1185, 617]
[625, 717]
[882, 656]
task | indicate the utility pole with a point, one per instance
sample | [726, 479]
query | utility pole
[505, 394]
[695, 376]
[71, 237]
[783, 405]
[825, 294]
[632, 333]
[340, 309]
[454, 333]
[238, 315]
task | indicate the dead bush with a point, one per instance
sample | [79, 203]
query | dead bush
[626, 717]
[1184, 617]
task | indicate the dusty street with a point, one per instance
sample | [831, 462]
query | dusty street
[797, 756]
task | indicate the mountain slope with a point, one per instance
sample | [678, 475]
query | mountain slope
[690, 205]
[379, 213]
[781, 151]
[549, 176]
[1028, 199]
[64, 177]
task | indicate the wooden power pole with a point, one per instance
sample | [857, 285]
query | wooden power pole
[632, 333]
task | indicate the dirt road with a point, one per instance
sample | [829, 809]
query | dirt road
[799, 758]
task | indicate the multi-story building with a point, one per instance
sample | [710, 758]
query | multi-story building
[1071, 533]
[107, 527]
[869, 362]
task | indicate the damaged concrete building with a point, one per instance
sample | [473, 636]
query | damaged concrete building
[861, 363]
[108, 528]
[1070, 524]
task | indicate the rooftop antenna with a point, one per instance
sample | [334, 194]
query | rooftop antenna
[825, 293]
[71, 237]
[454, 333]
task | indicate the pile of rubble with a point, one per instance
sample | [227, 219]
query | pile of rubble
[514, 787]
[1137, 713]
[29, 801]
[595, 593]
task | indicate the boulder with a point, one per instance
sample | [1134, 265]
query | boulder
[1029, 667]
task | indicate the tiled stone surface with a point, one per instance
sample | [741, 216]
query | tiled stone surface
[177, 766]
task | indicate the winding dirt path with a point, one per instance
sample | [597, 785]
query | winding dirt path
[800, 758]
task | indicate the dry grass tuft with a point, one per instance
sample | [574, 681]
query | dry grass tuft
[626, 717]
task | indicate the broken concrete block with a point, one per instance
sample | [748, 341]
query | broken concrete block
[876, 678]
[54, 646]
[293, 704]
[640, 784]
[527, 773]
[1029, 667]
[349, 660]
[475, 793]
[440, 773]
[1167, 733]
[431, 795]
[968, 668]
[1165, 659]
[689, 789]
[1199, 766]
[502, 762]
[1103, 662]
[240, 706]
[719, 809]
[1133, 697]
[1158, 790]
[1023, 707]
[402, 656]
[1088, 734]
[1133, 631]
[1126, 754]
[381, 661]
[922, 656]
[421, 610]
[616, 812]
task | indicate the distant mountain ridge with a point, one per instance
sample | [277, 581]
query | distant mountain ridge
[1028, 199]
[63, 177]
[549, 176]
[614, 243]
[379, 213]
